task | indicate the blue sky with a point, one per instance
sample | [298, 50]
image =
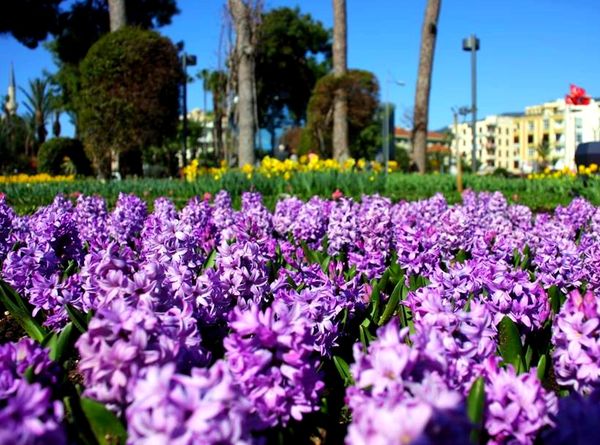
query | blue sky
[531, 50]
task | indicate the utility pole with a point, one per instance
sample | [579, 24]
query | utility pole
[472, 44]
[459, 181]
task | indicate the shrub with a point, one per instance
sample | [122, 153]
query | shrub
[62, 156]
[129, 96]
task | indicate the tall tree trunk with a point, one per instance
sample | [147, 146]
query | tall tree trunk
[217, 124]
[421, 111]
[341, 151]
[241, 13]
[117, 13]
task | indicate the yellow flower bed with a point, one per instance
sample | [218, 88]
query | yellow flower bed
[565, 172]
[272, 167]
[30, 179]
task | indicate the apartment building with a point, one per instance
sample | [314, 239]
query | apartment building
[559, 128]
[547, 133]
[495, 146]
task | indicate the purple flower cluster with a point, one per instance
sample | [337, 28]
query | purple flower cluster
[215, 325]
[517, 407]
[49, 243]
[271, 356]
[576, 339]
[203, 407]
[400, 394]
[123, 340]
[7, 216]
[127, 219]
[29, 413]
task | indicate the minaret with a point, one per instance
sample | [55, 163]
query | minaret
[11, 98]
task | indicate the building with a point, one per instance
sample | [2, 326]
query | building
[495, 146]
[557, 127]
[10, 106]
[434, 138]
[544, 135]
[205, 141]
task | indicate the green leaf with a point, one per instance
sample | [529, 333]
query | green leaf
[79, 319]
[71, 268]
[509, 344]
[107, 428]
[541, 367]
[311, 255]
[343, 369]
[210, 260]
[15, 304]
[475, 408]
[461, 256]
[63, 344]
[392, 304]
[556, 299]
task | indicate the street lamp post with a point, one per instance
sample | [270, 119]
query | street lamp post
[186, 60]
[471, 44]
[386, 125]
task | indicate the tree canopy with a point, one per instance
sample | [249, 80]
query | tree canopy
[77, 25]
[362, 90]
[29, 21]
[294, 51]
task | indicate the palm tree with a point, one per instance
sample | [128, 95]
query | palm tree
[217, 84]
[39, 101]
[241, 11]
[340, 66]
[544, 154]
[118, 14]
[421, 110]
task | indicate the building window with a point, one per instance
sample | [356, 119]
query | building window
[516, 139]
[530, 126]
[516, 164]
[531, 152]
[579, 137]
[546, 124]
[530, 139]
[578, 122]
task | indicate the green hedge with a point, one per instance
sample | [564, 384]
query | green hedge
[53, 152]
[540, 195]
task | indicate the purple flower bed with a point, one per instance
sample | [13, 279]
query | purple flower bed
[327, 321]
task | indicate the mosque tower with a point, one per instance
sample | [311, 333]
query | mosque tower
[11, 99]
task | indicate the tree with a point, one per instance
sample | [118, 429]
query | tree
[129, 97]
[39, 104]
[78, 24]
[242, 12]
[340, 67]
[544, 154]
[29, 21]
[117, 14]
[362, 91]
[294, 51]
[421, 110]
[83, 24]
[216, 83]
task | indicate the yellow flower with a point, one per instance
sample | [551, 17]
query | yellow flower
[39, 178]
